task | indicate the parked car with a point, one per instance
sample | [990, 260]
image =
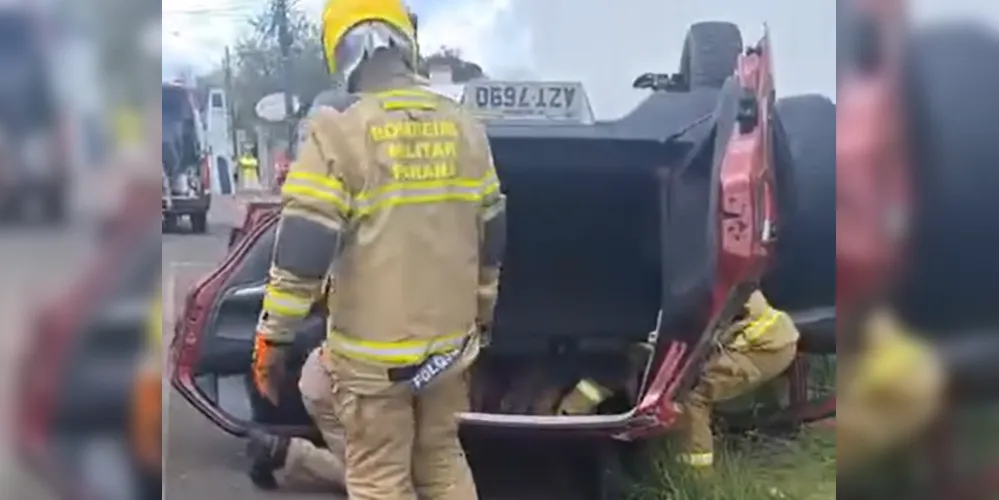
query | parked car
[186, 161]
[660, 222]
[35, 145]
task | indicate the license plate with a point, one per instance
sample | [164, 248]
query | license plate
[526, 100]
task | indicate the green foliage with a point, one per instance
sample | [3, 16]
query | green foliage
[257, 62]
[749, 468]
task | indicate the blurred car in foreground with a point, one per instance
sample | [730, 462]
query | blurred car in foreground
[35, 149]
[89, 392]
[631, 242]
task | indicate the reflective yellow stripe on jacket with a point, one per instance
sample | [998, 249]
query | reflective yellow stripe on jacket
[420, 192]
[752, 333]
[286, 304]
[316, 187]
[409, 352]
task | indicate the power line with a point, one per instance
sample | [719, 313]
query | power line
[231, 7]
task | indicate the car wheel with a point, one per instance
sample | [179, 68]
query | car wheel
[170, 223]
[805, 168]
[710, 53]
[951, 108]
[611, 470]
[199, 222]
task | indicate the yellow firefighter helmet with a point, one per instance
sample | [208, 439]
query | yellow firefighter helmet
[352, 30]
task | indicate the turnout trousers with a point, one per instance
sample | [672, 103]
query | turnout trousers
[727, 375]
[400, 445]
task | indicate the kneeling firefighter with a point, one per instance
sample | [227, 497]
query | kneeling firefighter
[763, 344]
[395, 199]
[297, 463]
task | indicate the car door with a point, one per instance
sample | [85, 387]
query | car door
[213, 343]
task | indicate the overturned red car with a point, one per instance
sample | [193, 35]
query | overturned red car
[644, 234]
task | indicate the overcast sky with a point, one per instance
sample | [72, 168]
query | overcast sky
[604, 44]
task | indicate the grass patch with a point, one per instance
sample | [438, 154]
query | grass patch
[750, 468]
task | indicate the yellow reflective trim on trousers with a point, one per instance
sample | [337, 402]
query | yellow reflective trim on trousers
[409, 352]
[755, 329]
[697, 459]
[590, 390]
[286, 304]
[419, 192]
[319, 187]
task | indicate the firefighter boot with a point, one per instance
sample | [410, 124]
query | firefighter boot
[268, 454]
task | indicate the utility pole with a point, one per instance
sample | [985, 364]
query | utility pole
[230, 103]
[285, 41]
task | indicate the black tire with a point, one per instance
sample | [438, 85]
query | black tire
[804, 272]
[607, 472]
[949, 93]
[710, 52]
[170, 223]
[199, 223]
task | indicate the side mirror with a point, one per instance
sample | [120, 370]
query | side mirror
[660, 82]
[644, 81]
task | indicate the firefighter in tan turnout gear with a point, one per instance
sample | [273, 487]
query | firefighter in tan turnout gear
[395, 199]
[763, 344]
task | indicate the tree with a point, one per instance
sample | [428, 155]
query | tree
[257, 63]
[450, 57]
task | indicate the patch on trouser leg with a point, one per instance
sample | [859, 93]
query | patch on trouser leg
[697, 460]
[696, 439]
[311, 468]
[379, 432]
[440, 469]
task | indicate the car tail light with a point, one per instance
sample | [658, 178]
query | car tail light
[206, 173]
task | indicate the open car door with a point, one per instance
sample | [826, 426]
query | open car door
[211, 371]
